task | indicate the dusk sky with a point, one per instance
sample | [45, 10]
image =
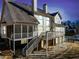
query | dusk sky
[69, 9]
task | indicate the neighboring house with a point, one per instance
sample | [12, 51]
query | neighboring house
[22, 23]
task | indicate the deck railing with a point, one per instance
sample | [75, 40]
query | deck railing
[34, 45]
[54, 34]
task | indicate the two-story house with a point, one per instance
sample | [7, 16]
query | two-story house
[18, 24]
[22, 24]
[56, 35]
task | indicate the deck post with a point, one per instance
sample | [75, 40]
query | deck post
[27, 31]
[14, 38]
[10, 43]
[21, 30]
[37, 47]
[47, 43]
[27, 34]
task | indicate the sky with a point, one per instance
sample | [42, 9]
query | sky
[69, 9]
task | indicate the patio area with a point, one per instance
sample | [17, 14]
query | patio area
[72, 53]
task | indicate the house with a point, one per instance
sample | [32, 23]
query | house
[21, 23]
[57, 29]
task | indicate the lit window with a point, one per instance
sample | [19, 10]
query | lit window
[4, 30]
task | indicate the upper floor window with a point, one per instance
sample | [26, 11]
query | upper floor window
[35, 28]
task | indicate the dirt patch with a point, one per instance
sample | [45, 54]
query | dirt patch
[7, 54]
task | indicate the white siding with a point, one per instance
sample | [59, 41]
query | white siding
[61, 29]
[44, 23]
[57, 19]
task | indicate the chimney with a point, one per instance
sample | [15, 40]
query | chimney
[45, 8]
[8, 0]
[34, 5]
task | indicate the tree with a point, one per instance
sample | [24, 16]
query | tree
[70, 28]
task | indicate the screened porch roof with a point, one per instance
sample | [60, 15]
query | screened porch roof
[16, 14]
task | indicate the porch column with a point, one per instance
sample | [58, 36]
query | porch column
[27, 34]
[27, 31]
[14, 38]
[33, 31]
[59, 40]
[63, 38]
[21, 30]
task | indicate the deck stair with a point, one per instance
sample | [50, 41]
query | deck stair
[31, 45]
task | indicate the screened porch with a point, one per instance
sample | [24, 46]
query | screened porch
[21, 31]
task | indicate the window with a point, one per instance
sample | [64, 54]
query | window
[35, 28]
[17, 31]
[47, 23]
[41, 22]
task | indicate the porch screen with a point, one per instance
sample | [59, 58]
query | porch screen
[30, 31]
[18, 31]
[24, 34]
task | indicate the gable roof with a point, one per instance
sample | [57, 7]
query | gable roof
[22, 13]
[29, 8]
[13, 13]
[54, 14]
